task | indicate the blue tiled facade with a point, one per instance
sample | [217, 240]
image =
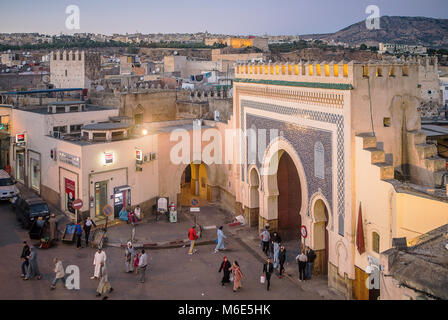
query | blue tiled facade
[303, 140]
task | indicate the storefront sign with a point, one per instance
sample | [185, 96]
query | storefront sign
[108, 158]
[162, 204]
[20, 138]
[70, 194]
[69, 159]
[138, 155]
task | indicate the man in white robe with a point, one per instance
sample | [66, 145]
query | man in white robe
[100, 257]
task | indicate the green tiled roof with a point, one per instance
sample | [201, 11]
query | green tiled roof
[320, 85]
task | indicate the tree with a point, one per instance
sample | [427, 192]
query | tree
[362, 47]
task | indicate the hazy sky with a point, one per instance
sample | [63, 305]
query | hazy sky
[255, 17]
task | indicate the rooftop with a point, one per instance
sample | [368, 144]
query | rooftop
[44, 110]
[105, 126]
[424, 266]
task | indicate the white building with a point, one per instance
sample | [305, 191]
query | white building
[99, 169]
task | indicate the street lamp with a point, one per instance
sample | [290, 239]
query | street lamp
[144, 132]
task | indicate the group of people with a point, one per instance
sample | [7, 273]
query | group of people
[29, 266]
[276, 253]
[305, 260]
[130, 216]
[88, 223]
[231, 272]
[135, 262]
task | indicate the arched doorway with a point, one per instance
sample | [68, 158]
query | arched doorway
[254, 198]
[289, 198]
[195, 184]
[320, 236]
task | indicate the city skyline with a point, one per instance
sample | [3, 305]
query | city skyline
[249, 17]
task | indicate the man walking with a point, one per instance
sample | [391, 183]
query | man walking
[100, 256]
[104, 286]
[87, 226]
[301, 260]
[311, 256]
[268, 268]
[265, 238]
[59, 273]
[192, 236]
[221, 237]
[78, 234]
[282, 260]
[142, 264]
[25, 254]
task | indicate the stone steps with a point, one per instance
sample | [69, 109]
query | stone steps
[378, 156]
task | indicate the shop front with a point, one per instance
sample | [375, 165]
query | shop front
[34, 171]
[108, 188]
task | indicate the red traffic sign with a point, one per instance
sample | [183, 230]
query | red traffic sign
[195, 202]
[107, 210]
[303, 231]
[77, 204]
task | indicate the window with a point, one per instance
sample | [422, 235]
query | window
[319, 160]
[138, 118]
[365, 71]
[99, 136]
[391, 71]
[65, 72]
[386, 122]
[61, 129]
[379, 71]
[375, 242]
[75, 128]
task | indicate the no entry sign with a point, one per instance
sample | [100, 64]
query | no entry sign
[77, 204]
[303, 231]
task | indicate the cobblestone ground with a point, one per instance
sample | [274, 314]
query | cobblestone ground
[173, 274]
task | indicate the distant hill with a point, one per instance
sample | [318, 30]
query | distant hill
[428, 32]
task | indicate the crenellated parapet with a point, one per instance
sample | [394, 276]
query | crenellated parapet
[330, 75]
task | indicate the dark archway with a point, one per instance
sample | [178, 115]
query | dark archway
[289, 198]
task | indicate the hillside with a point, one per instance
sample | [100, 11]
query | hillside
[428, 32]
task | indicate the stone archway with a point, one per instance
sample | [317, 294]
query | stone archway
[285, 189]
[194, 183]
[254, 197]
[320, 238]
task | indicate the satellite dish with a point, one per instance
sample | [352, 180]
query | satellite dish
[175, 53]
[46, 79]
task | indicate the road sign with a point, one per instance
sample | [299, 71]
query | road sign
[303, 231]
[195, 209]
[107, 210]
[77, 204]
[194, 202]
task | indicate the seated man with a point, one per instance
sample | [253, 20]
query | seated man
[123, 215]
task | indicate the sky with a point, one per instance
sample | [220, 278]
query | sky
[238, 17]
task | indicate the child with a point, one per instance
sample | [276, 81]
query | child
[136, 260]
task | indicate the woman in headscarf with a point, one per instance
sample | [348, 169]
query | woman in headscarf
[221, 237]
[129, 257]
[33, 268]
[225, 266]
[237, 276]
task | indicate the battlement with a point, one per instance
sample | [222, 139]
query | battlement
[343, 74]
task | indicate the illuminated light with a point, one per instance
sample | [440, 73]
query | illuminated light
[108, 158]
[144, 132]
[336, 70]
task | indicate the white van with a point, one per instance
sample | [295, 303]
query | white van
[8, 188]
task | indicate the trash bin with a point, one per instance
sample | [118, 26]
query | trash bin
[173, 216]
